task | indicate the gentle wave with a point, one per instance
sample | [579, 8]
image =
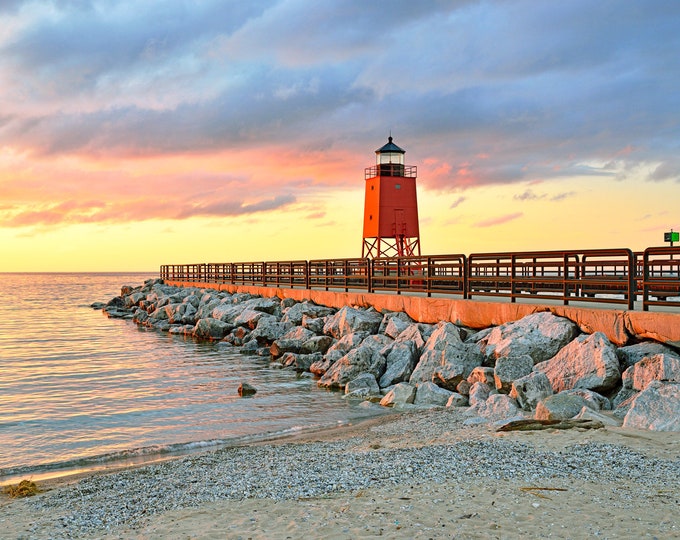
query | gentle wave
[150, 454]
[80, 390]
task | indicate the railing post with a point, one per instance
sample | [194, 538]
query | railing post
[565, 279]
[632, 293]
[464, 275]
[325, 281]
[645, 283]
[513, 275]
[345, 272]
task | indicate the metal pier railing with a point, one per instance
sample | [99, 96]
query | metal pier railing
[600, 276]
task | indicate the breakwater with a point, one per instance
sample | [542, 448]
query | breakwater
[541, 365]
[605, 277]
[620, 326]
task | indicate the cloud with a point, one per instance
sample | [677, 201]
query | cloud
[529, 195]
[477, 93]
[492, 222]
[177, 208]
[562, 196]
[457, 202]
[231, 207]
[667, 170]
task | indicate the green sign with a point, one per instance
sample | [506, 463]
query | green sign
[671, 236]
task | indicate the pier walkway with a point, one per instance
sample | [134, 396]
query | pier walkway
[626, 295]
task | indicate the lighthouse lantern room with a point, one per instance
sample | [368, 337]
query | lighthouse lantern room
[391, 206]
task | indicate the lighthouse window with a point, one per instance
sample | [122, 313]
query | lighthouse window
[397, 186]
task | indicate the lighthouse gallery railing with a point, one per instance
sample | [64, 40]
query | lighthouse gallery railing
[606, 276]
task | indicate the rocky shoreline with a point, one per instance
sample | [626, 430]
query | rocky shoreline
[436, 471]
[542, 367]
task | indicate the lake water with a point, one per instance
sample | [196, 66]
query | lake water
[80, 391]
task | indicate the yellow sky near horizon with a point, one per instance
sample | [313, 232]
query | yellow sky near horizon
[598, 213]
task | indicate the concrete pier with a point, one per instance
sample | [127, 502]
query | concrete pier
[622, 327]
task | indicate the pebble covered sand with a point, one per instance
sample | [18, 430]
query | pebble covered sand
[423, 458]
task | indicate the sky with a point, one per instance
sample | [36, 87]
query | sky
[135, 134]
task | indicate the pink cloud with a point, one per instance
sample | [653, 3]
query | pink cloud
[492, 222]
[72, 212]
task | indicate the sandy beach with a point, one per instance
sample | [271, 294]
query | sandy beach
[421, 474]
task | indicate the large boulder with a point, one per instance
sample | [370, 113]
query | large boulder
[342, 346]
[175, 312]
[321, 366]
[400, 362]
[400, 394]
[656, 408]
[394, 323]
[531, 389]
[595, 401]
[211, 329]
[350, 320]
[282, 346]
[159, 314]
[192, 299]
[588, 362]
[222, 311]
[269, 329]
[560, 407]
[632, 354]
[457, 400]
[510, 368]
[353, 364]
[539, 335]
[313, 324]
[296, 312]
[378, 342]
[479, 393]
[428, 393]
[412, 333]
[498, 407]
[445, 360]
[250, 318]
[189, 316]
[140, 317]
[659, 367]
[605, 419]
[298, 332]
[315, 344]
[301, 362]
[270, 305]
[362, 387]
[133, 299]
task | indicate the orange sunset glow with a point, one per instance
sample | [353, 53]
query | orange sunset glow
[134, 135]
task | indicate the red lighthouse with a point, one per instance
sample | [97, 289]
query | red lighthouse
[391, 206]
